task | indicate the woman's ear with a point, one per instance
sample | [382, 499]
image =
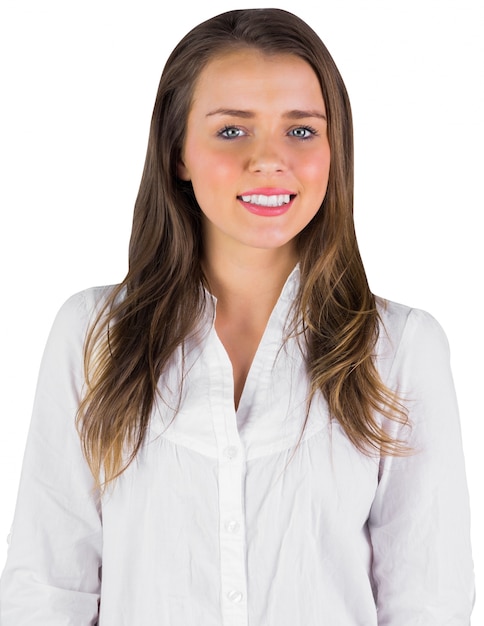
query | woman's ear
[182, 171]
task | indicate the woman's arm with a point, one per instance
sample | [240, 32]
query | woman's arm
[419, 523]
[52, 574]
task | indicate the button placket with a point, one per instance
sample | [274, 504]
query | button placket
[232, 539]
[231, 472]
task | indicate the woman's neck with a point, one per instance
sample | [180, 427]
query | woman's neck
[247, 289]
[251, 281]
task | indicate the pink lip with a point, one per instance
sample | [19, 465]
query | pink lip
[267, 191]
[266, 211]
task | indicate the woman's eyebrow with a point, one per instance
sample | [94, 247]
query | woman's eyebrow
[295, 114]
[298, 114]
[232, 113]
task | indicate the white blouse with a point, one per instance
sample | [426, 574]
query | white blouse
[221, 520]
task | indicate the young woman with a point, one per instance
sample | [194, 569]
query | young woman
[240, 432]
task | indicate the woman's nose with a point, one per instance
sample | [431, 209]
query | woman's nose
[267, 158]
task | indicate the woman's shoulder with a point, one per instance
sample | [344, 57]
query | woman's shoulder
[406, 330]
[82, 308]
[88, 300]
[396, 318]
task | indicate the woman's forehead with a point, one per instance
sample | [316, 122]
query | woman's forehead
[250, 77]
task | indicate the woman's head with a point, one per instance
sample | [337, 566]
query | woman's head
[173, 208]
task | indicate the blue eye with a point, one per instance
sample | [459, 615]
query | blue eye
[303, 132]
[230, 132]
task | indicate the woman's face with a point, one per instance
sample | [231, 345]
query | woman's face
[256, 149]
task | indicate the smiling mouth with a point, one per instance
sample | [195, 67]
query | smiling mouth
[276, 200]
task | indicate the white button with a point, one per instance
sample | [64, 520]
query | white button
[235, 596]
[232, 526]
[231, 452]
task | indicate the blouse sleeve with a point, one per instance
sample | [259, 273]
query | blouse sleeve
[52, 574]
[419, 522]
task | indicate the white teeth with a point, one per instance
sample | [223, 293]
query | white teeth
[261, 200]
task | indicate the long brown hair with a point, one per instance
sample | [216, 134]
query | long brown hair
[160, 302]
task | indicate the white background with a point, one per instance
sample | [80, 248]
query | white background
[78, 81]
